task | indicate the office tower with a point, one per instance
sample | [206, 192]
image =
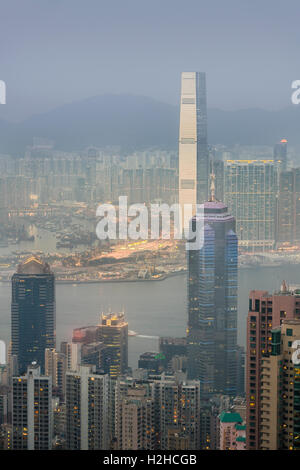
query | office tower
[32, 411]
[212, 302]
[170, 347]
[250, 191]
[113, 333]
[266, 312]
[280, 154]
[288, 207]
[193, 150]
[85, 335]
[280, 390]
[86, 409]
[151, 361]
[177, 406]
[55, 367]
[32, 312]
[134, 417]
[232, 431]
[94, 354]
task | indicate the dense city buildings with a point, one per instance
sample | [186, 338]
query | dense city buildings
[32, 411]
[212, 302]
[32, 313]
[266, 312]
[250, 188]
[193, 148]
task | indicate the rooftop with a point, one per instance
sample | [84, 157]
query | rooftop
[229, 417]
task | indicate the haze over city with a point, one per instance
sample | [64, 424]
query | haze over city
[59, 51]
[149, 229]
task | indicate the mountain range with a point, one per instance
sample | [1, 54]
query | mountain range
[138, 122]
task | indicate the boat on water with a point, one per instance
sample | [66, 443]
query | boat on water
[132, 333]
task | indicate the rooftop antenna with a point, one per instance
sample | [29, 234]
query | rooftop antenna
[212, 197]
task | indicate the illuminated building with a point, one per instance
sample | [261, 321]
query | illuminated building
[193, 150]
[280, 391]
[32, 424]
[250, 194]
[32, 313]
[86, 409]
[134, 416]
[212, 302]
[113, 333]
[177, 407]
[266, 312]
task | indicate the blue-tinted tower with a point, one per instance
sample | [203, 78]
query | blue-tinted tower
[212, 302]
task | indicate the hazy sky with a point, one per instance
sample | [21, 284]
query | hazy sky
[57, 51]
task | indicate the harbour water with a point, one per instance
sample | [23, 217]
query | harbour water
[152, 308]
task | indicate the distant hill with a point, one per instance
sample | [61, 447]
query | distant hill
[137, 122]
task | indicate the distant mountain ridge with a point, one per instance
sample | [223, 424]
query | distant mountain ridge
[138, 122]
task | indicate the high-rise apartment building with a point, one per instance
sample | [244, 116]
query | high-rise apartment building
[266, 312]
[134, 416]
[280, 154]
[32, 411]
[86, 409]
[193, 150]
[32, 313]
[280, 390]
[232, 431]
[250, 189]
[212, 302]
[177, 407]
[55, 367]
[113, 333]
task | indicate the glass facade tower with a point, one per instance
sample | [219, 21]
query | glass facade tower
[212, 302]
[32, 313]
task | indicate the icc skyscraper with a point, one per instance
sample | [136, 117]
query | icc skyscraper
[193, 150]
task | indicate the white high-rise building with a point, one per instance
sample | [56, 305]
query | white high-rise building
[193, 150]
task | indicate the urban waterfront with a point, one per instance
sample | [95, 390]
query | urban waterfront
[152, 308]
